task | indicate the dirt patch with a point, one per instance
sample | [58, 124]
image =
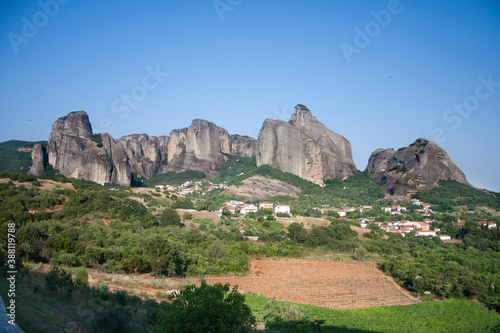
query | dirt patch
[203, 214]
[330, 284]
[47, 184]
[261, 188]
[310, 221]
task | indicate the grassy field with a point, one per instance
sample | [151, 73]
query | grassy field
[445, 316]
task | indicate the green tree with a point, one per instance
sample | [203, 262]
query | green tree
[207, 309]
[297, 233]
[169, 217]
[187, 216]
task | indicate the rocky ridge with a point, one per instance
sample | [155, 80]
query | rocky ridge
[302, 146]
[415, 168]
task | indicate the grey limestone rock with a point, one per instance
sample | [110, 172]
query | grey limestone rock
[412, 169]
[71, 151]
[305, 147]
[39, 158]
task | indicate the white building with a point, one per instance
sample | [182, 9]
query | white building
[425, 233]
[282, 209]
[341, 213]
[266, 205]
[248, 209]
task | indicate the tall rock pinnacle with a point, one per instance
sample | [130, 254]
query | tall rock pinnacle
[305, 147]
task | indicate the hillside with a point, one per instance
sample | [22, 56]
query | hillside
[89, 229]
[14, 159]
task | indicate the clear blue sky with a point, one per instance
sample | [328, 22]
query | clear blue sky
[378, 83]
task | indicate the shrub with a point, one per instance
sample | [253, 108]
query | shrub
[360, 253]
[169, 217]
[82, 276]
[207, 309]
[97, 138]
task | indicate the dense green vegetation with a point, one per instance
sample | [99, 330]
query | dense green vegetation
[97, 138]
[445, 316]
[94, 227]
[451, 193]
[12, 160]
[235, 166]
[55, 302]
[216, 308]
[356, 189]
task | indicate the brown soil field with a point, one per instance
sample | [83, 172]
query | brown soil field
[330, 284]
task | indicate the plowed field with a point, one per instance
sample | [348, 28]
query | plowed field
[330, 284]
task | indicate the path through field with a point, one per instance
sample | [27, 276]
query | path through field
[330, 284]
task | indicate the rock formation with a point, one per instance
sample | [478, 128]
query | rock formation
[39, 158]
[304, 147]
[145, 153]
[412, 169]
[75, 155]
[243, 146]
[200, 147]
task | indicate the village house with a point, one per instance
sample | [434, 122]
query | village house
[282, 209]
[394, 231]
[341, 213]
[266, 205]
[420, 225]
[398, 208]
[234, 203]
[487, 224]
[250, 208]
[231, 209]
[321, 210]
[406, 230]
[161, 187]
[425, 233]
[386, 209]
[139, 200]
[416, 202]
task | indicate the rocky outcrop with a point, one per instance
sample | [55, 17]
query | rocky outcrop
[286, 148]
[71, 151]
[77, 153]
[145, 153]
[260, 188]
[39, 158]
[243, 146]
[304, 147]
[201, 146]
[412, 169]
